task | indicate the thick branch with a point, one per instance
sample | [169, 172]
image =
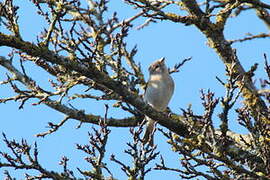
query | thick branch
[234, 150]
[92, 72]
[217, 41]
[72, 113]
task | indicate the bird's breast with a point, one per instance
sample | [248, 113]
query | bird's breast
[159, 92]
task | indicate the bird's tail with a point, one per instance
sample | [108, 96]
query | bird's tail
[149, 132]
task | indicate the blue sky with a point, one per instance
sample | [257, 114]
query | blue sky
[173, 41]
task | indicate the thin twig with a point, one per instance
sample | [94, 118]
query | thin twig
[177, 66]
[54, 127]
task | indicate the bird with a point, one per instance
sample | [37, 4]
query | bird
[158, 92]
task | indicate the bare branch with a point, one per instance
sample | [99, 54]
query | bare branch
[179, 65]
[54, 127]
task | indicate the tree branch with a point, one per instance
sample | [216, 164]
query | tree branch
[71, 113]
[173, 122]
[217, 41]
[93, 73]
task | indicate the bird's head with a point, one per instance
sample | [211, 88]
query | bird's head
[158, 67]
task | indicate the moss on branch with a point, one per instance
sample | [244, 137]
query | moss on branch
[93, 73]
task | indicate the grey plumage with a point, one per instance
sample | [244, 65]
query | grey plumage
[159, 90]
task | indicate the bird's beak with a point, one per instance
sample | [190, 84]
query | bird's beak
[162, 59]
